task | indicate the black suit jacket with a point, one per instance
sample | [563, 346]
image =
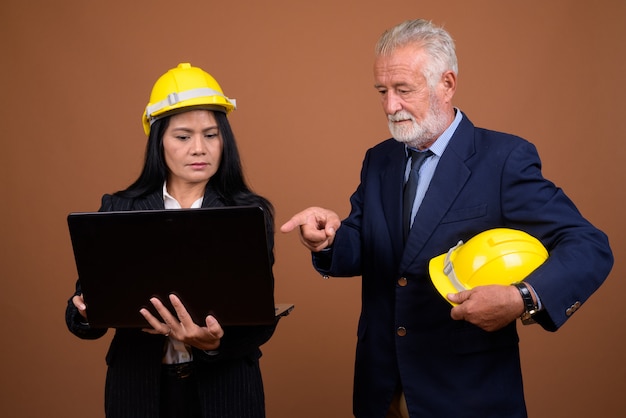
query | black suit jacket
[229, 383]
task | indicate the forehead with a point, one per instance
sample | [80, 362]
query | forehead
[203, 116]
[403, 65]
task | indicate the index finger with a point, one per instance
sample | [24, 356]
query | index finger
[295, 221]
[181, 311]
[319, 219]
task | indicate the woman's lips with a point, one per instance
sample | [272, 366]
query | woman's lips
[198, 166]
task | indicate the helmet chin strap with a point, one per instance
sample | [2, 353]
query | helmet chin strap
[448, 269]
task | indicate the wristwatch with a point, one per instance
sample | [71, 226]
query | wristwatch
[530, 307]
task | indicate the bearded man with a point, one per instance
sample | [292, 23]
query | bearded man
[420, 353]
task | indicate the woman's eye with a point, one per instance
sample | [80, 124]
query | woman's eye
[182, 137]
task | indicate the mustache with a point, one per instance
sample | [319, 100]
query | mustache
[400, 115]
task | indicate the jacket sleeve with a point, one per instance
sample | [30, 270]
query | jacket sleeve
[343, 259]
[77, 324]
[579, 259]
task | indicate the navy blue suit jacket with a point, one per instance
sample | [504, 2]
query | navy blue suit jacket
[448, 368]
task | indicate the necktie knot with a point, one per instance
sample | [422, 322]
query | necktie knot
[418, 158]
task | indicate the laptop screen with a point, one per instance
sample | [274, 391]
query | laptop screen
[216, 260]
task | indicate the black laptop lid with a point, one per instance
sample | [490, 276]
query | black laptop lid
[216, 260]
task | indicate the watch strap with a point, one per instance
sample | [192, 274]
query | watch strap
[530, 307]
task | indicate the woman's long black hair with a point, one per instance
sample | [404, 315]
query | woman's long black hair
[228, 181]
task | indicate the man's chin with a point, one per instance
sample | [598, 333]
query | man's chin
[401, 137]
[398, 135]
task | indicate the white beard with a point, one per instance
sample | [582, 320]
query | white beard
[417, 133]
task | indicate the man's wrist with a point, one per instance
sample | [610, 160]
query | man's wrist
[530, 302]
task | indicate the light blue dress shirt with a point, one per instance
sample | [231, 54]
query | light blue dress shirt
[427, 170]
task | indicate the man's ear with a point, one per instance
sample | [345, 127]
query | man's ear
[448, 80]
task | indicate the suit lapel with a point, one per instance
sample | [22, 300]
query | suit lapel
[152, 201]
[211, 198]
[450, 177]
[392, 180]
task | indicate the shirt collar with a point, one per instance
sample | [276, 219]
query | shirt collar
[440, 144]
[171, 203]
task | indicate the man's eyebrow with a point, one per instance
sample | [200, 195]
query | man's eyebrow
[395, 85]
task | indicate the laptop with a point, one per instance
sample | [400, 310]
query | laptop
[216, 260]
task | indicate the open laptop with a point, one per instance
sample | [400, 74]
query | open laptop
[216, 260]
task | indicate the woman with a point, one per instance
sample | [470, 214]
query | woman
[174, 367]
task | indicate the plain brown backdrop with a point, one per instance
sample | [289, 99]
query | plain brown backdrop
[76, 75]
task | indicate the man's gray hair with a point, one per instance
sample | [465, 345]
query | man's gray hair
[437, 43]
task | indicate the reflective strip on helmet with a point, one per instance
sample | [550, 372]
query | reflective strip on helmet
[174, 98]
[448, 269]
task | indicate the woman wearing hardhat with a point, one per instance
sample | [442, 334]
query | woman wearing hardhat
[174, 367]
[184, 88]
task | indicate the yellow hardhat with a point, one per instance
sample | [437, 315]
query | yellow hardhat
[496, 256]
[181, 87]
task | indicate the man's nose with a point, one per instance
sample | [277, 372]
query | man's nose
[391, 103]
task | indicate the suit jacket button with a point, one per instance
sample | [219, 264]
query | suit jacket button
[572, 308]
[401, 331]
[402, 281]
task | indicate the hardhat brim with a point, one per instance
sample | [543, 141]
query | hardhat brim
[439, 279]
[147, 123]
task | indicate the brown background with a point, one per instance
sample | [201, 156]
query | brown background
[74, 79]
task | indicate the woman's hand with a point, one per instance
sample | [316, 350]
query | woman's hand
[182, 327]
[79, 303]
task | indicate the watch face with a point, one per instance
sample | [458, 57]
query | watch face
[527, 318]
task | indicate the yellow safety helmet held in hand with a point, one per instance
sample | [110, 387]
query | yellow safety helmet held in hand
[496, 256]
[181, 87]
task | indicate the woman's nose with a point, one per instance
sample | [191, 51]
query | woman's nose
[197, 145]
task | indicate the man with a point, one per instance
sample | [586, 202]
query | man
[416, 356]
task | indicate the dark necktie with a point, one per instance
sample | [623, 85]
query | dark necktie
[410, 188]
